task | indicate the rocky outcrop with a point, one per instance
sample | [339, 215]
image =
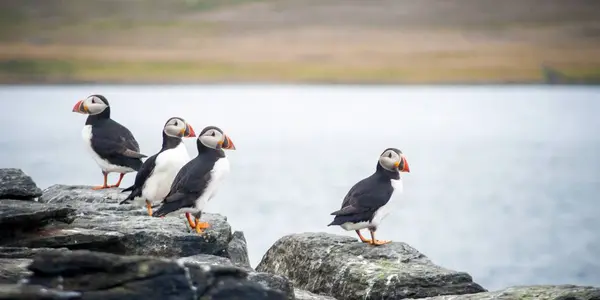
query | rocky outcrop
[99, 223]
[538, 292]
[344, 268]
[15, 184]
[97, 275]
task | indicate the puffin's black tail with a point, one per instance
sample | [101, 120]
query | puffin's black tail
[135, 192]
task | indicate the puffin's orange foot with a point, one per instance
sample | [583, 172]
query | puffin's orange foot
[202, 225]
[100, 187]
[149, 208]
[379, 242]
[362, 238]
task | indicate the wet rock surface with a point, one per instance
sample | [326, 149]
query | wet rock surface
[538, 292]
[15, 184]
[13, 269]
[345, 268]
[107, 276]
[306, 295]
[29, 292]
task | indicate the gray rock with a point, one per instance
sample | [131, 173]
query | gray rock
[70, 238]
[20, 216]
[22, 252]
[271, 281]
[165, 237]
[12, 270]
[306, 295]
[81, 195]
[345, 268]
[238, 250]
[102, 224]
[15, 184]
[30, 292]
[107, 276]
[538, 292]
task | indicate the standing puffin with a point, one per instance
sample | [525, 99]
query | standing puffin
[153, 180]
[367, 202]
[112, 146]
[197, 181]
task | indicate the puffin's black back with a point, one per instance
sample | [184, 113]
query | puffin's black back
[111, 140]
[190, 182]
[366, 197]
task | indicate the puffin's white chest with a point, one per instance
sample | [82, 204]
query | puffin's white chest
[219, 171]
[166, 166]
[104, 164]
[384, 211]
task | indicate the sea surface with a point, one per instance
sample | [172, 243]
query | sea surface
[504, 181]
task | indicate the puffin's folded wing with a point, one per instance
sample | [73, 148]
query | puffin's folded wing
[361, 200]
[114, 147]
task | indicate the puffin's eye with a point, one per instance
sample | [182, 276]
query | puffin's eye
[212, 134]
[175, 123]
[390, 155]
[93, 101]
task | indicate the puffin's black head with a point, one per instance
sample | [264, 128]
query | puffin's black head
[178, 127]
[214, 138]
[92, 105]
[392, 159]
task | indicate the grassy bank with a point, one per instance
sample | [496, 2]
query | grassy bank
[74, 71]
[370, 41]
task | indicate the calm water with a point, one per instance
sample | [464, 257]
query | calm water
[504, 182]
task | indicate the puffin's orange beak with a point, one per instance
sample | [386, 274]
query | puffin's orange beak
[227, 143]
[80, 107]
[403, 167]
[189, 131]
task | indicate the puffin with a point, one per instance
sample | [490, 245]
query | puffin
[112, 145]
[367, 202]
[153, 180]
[197, 181]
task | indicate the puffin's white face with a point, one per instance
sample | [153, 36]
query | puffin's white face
[393, 160]
[92, 105]
[214, 138]
[178, 127]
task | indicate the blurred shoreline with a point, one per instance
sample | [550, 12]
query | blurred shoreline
[300, 41]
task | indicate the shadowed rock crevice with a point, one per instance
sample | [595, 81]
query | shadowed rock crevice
[97, 275]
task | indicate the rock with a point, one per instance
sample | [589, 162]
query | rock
[104, 225]
[22, 252]
[19, 216]
[344, 268]
[81, 195]
[306, 295]
[15, 184]
[30, 292]
[271, 281]
[102, 275]
[72, 239]
[12, 270]
[238, 250]
[538, 292]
